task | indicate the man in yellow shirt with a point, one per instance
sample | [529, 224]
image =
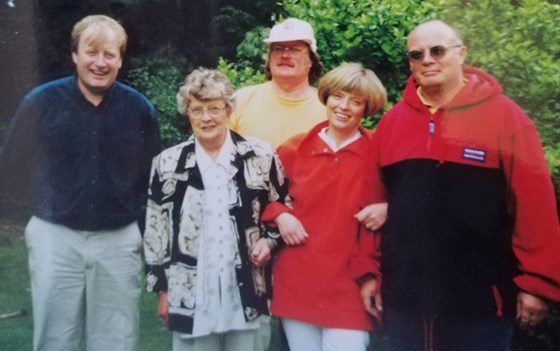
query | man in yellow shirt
[287, 104]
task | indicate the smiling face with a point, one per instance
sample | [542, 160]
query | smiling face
[291, 62]
[98, 60]
[208, 121]
[437, 73]
[344, 112]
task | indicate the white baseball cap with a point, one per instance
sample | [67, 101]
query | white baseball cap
[290, 30]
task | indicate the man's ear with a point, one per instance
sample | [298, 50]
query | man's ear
[463, 54]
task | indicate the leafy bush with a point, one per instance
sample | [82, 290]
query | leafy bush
[250, 60]
[251, 52]
[158, 76]
[240, 77]
[552, 154]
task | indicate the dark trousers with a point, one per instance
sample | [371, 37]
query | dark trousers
[415, 332]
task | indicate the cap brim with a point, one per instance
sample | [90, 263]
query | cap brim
[270, 41]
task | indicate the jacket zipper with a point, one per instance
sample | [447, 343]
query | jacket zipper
[498, 300]
[431, 127]
[431, 132]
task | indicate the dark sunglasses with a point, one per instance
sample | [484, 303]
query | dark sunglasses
[436, 52]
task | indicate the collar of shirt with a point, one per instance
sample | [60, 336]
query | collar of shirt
[109, 93]
[332, 144]
[433, 109]
[204, 161]
[430, 107]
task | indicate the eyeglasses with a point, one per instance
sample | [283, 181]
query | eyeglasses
[278, 50]
[213, 111]
[437, 52]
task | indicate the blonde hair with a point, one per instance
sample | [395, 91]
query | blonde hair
[355, 79]
[100, 24]
[205, 84]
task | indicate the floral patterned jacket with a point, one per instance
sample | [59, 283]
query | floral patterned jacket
[171, 239]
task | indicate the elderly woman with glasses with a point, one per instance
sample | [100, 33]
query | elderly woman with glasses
[331, 173]
[206, 251]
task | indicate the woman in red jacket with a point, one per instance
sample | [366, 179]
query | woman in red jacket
[330, 172]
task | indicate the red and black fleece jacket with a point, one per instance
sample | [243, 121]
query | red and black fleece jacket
[472, 214]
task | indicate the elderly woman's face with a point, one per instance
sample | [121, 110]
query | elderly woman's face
[208, 119]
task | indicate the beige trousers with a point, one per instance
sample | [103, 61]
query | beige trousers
[85, 287]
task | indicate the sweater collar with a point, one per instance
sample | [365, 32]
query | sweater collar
[313, 145]
[109, 94]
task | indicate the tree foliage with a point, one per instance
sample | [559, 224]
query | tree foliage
[248, 67]
[158, 76]
[192, 34]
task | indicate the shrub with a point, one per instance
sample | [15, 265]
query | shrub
[158, 76]
[240, 77]
[250, 60]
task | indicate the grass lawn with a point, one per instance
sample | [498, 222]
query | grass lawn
[16, 333]
[15, 295]
[15, 292]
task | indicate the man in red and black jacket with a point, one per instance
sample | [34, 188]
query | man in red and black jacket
[472, 238]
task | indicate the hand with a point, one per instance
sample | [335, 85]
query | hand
[531, 310]
[372, 304]
[260, 253]
[163, 308]
[373, 216]
[291, 229]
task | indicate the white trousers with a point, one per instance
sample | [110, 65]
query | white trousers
[308, 337]
[84, 282]
[234, 340]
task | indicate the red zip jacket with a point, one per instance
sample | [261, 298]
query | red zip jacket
[471, 204]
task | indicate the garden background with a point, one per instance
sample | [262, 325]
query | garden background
[517, 41]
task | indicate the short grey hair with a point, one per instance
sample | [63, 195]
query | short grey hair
[205, 84]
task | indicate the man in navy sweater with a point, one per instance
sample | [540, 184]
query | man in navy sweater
[78, 152]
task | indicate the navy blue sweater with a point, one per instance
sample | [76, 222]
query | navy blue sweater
[77, 164]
